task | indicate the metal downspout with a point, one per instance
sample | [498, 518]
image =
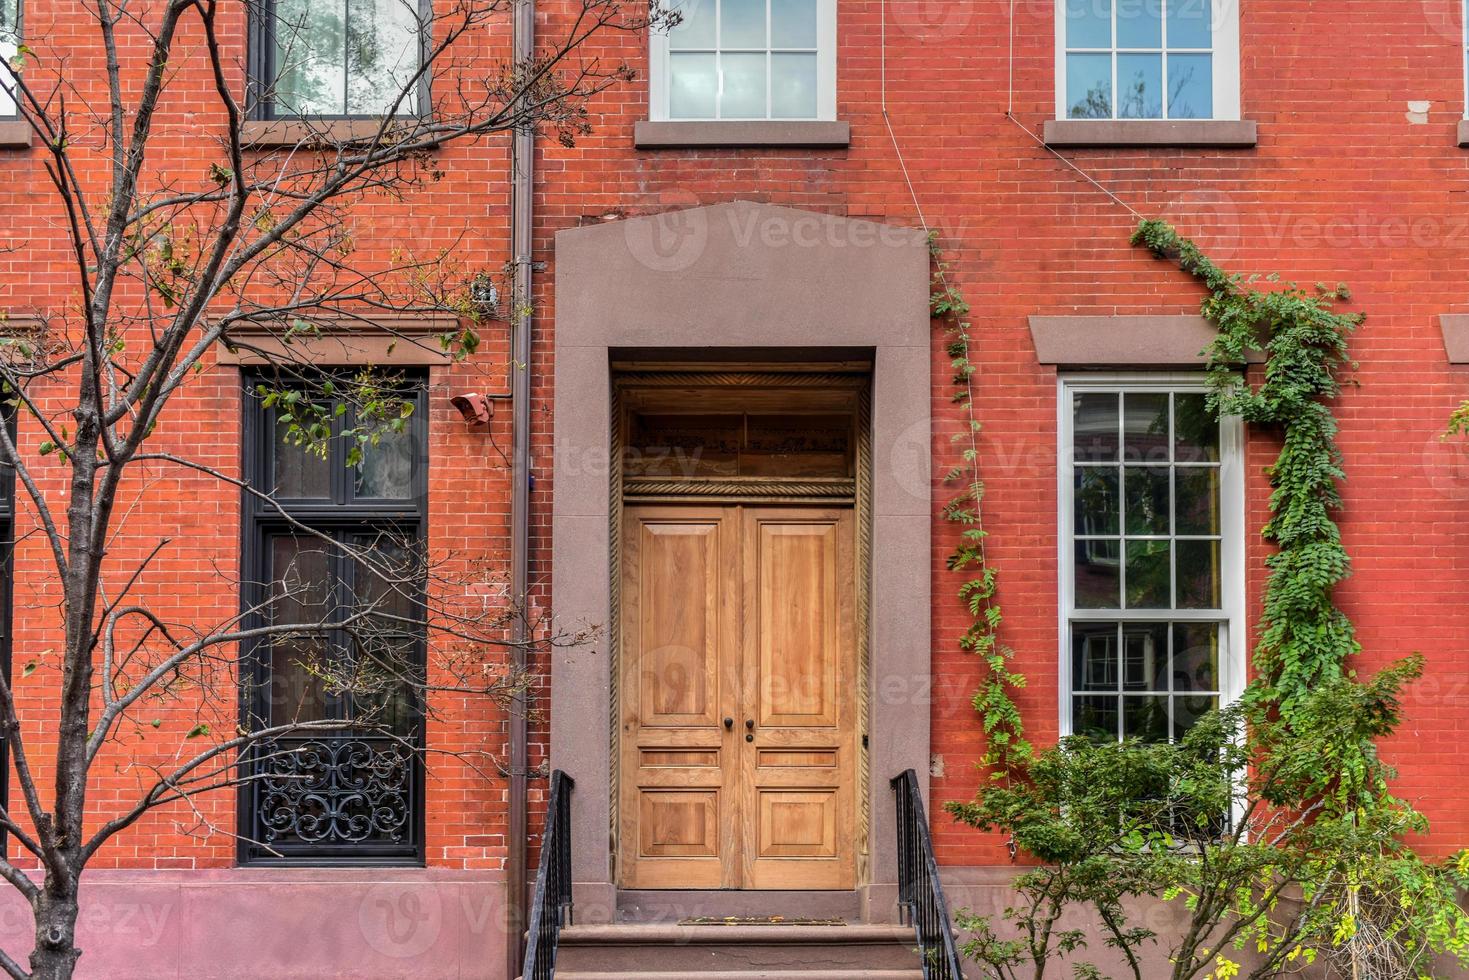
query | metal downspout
[522, 239]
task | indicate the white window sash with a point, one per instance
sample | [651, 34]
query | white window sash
[1225, 66]
[1232, 646]
[660, 69]
[7, 103]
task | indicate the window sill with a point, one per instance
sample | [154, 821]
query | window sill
[278, 133]
[15, 134]
[694, 134]
[1464, 133]
[1229, 133]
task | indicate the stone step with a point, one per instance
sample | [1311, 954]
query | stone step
[740, 950]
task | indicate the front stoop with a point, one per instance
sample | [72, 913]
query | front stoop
[739, 952]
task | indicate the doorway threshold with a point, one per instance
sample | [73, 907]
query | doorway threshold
[716, 905]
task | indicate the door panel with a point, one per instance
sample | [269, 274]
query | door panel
[679, 641]
[739, 698]
[798, 770]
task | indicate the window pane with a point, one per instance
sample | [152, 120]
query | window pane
[1198, 574]
[1145, 427]
[1145, 717]
[692, 87]
[1139, 86]
[1095, 718]
[1094, 661]
[1147, 499]
[1148, 575]
[389, 581]
[1088, 23]
[1139, 23]
[10, 22]
[696, 29]
[1195, 657]
[793, 23]
[1189, 24]
[1195, 430]
[1198, 499]
[741, 24]
[310, 58]
[793, 86]
[1098, 575]
[1190, 86]
[1089, 86]
[386, 470]
[1187, 712]
[382, 55]
[1094, 427]
[385, 663]
[743, 95]
[300, 595]
[1096, 500]
[300, 471]
[1145, 657]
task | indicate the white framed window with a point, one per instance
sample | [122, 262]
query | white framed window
[1464, 63]
[1147, 59]
[1151, 555]
[746, 59]
[9, 43]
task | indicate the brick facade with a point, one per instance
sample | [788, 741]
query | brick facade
[1350, 181]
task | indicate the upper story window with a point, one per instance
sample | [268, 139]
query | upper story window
[9, 42]
[746, 59]
[1152, 559]
[1147, 59]
[341, 574]
[339, 59]
[7, 539]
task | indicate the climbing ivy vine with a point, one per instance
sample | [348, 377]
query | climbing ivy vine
[1005, 743]
[1305, 638]
[1368, 901]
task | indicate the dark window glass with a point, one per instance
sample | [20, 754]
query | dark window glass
[341, 575]
[1143, 680]
[1147, 544]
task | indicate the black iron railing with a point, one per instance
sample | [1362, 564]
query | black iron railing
[920, 894]
[551, 908]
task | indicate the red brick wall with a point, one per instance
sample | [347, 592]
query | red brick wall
[1342, 186]
[193, 581]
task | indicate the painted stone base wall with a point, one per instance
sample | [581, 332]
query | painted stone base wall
[299, 924]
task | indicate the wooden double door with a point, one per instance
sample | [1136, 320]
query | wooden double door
[738, 698]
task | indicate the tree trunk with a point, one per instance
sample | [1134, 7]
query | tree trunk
[55, 956]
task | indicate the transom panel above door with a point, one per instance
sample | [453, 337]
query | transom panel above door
[738, 717]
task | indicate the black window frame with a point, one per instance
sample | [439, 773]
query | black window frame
[262, 70]
[343, 516]
[7, 593]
